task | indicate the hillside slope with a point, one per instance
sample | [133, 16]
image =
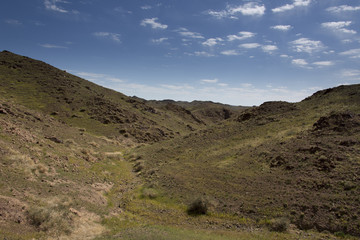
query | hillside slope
[78, 161]
[81, 103]
[300, 161]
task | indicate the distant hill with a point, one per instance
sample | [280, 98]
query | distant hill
[79, 161]
[300, 161]
[76, 101]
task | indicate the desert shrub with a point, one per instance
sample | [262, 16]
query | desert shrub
[38, 216]
[279, 224]
[54, 218]
[149, 193]
[69, 142]
[94, 144]
[198, 207]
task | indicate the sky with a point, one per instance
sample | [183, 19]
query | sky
[238, 52]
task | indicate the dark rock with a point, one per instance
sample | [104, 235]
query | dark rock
[54, 139]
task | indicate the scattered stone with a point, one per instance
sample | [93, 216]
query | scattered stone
[54, 139]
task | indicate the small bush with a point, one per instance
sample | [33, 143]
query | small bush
[279, 224]
[38, 216]
[149, 193]
[54, 218]
[198, 207]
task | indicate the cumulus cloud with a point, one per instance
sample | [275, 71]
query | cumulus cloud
[248, 9]
[186, 33]
[299, 62]
[230, 53]
[265, 48]
[152, 22]
[343, 8]
[282, 27]
[99, 78]
[250, 45]
[351, 74]
[146, 7]
[212, 42]
[53, 6]
[323, 63]
[159, 40]
[287, 7]
[215, 80]
[108, 35]
[47, 45]
[269, 48]
[200, 54]
[352, 53]
[306, 45]
[240, 36]
[339, 26]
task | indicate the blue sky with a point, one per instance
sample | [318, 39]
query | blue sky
[241, 52]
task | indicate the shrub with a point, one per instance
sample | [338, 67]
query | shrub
[279, 224]
[198, 207]
[149, 193]
[54, 218]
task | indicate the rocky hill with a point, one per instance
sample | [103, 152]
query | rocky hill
[79, 161]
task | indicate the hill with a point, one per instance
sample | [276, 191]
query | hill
[299, 161]
[78, 161]
[81, 103]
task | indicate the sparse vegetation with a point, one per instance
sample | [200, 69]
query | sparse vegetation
[149, 193]
[279, 224]
[68, 171]
[55, 219]
[198, 207]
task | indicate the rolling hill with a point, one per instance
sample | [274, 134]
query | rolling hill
[79, 161]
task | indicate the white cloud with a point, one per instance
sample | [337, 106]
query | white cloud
[230, 53]
[306, 45]
[108, 35]
[209, 80]
[339, 26]
[201, 54]
[146, 7]
[250, 45]
[244, 94]
[284, 56]
[248, 9]
[177, 87]
[47, 45]
[352, 53]
[240, 36]
[212, 42]
[343, 8]
[219, 14]
[52, 6]
[13, 22]
[98, 78]
[159, 40]
[90, 75]
[324, 63]
[269, 48]
[287, 7]
[115, 80]
[186, 33]
[282, 27]
[299, 62]
[153, 24]
[352, 74]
